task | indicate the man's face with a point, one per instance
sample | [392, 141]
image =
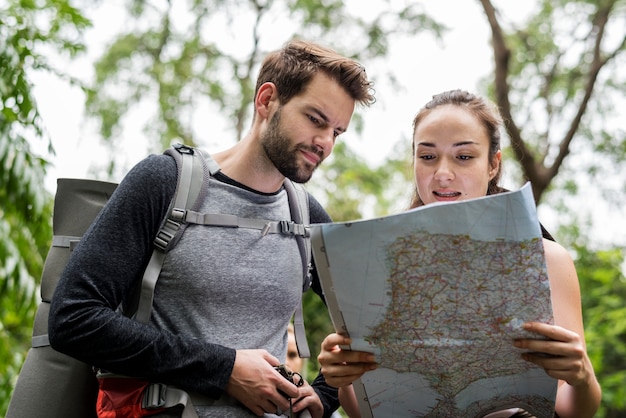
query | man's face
[301, 133]
[279, 149]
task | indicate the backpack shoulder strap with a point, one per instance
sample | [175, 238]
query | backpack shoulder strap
[192, 176]
[299, 207]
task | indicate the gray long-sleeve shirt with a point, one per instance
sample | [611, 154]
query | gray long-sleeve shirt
[220, 289]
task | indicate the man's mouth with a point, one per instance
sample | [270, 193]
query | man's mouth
[312, 156]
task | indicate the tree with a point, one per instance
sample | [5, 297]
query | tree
[550, 76]
[25, 209]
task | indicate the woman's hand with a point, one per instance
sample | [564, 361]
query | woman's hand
[342, 367]
[562, 355]
[307, 400]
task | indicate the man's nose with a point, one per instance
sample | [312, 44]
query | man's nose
[325, 141]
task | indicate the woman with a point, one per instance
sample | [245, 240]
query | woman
[457, 156]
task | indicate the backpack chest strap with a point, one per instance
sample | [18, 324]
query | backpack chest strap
[231, 221]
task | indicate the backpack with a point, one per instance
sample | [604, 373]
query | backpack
[54, 385]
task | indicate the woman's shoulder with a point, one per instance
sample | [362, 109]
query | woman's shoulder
[561, 268]
[555, 251]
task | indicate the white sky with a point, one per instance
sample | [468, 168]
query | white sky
[422, 65]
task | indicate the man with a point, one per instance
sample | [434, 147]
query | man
[225, 296]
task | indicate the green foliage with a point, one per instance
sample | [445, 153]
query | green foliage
[318, 326]
[603, 290]
[353, 189]
[603, 287]
[26, 27]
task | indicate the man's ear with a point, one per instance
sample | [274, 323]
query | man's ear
[265, 97]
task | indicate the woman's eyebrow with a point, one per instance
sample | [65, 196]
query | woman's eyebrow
[468, 142]
[456, 144]
[425, 144]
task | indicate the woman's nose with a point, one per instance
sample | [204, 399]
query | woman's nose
[444, 171]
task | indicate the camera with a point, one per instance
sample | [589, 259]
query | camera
[294, 377]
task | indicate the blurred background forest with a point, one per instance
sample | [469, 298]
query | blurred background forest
[153, 72]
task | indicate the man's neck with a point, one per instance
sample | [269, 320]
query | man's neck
[245, 162]
[225, 179]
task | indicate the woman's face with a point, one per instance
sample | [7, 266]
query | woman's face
[451, 158]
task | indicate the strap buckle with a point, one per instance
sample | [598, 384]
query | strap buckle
[287, 227]
[166, 234]
[291, 228]
[183, 149]
[179, 215]
[154, 396]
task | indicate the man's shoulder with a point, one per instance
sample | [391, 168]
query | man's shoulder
[154, 177]
[154, 168]
[162, 163]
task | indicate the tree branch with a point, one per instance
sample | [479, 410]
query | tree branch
[502, 56]
[599, 26]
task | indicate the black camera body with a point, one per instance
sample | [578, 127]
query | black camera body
[294, 377]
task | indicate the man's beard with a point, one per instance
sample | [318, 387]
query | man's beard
[278, 149]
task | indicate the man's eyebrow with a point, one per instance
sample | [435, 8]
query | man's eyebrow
[325, 118]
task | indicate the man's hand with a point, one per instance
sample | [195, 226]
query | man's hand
[342, 367]
[256, 384]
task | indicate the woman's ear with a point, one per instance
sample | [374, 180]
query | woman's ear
[495, 164]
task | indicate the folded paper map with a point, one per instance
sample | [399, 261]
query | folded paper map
[439, 293]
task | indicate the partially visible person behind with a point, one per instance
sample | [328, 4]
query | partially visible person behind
[294, 362]
[297, 364]
[457, 156]
[225, 296]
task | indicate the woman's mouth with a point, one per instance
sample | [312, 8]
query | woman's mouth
[446, 194]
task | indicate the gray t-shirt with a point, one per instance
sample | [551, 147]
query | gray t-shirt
[220, 289]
